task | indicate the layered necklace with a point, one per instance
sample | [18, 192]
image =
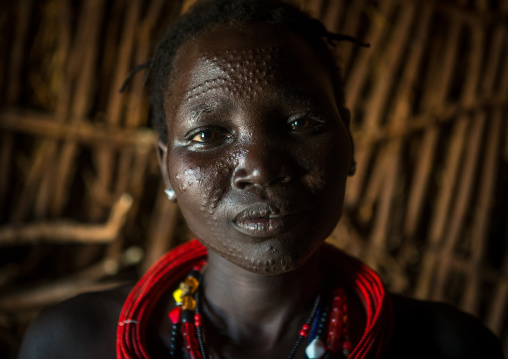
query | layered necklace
[327, 328]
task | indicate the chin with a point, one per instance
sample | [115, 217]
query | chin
[271, 256]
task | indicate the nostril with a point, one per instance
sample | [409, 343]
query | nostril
[261, 177]
[241, 184]
[240, 178]
[262, 167]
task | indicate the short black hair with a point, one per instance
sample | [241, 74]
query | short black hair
[206, 14]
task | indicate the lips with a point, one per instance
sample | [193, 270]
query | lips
[267, 220]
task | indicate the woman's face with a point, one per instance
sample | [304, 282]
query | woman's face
[257, 152]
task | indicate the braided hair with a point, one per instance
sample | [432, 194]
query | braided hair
[206, 14]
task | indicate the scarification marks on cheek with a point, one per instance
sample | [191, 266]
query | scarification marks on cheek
[205, 186]
[188, 178]
[245, 71]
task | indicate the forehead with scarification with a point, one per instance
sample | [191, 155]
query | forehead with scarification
[238, 70]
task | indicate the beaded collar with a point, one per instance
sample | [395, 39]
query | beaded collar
[176, 264]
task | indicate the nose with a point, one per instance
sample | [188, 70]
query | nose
[262, 165]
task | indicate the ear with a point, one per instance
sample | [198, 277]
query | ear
[162, 156]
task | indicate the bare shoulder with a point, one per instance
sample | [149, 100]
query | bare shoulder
[81, 327]
[436, 330]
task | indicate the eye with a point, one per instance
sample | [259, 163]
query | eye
[208, 136]
[303, 123]
[205, 136]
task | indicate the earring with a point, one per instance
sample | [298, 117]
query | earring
[171, 194]
[352, 168]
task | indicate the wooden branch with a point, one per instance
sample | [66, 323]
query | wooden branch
[6, 155]
[28, 298]
[18, 50]
[68, 232]
[32, 180]
[433, 118]
[84, 132]
[47, 180]
[482, 213]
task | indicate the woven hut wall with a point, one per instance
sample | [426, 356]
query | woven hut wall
[82, 204]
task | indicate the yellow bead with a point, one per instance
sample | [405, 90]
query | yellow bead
[177, 294]
[188, 303]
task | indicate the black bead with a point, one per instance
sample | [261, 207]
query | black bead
[187, 316]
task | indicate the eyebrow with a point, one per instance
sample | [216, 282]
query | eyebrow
[198, 110]
[215, 105]
[287, 97]
[283, 96]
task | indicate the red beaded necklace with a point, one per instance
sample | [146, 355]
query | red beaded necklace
[168, 271]
[187, 323]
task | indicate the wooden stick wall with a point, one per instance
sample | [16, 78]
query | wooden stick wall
[81, 203]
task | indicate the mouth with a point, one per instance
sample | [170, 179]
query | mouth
[267, 220]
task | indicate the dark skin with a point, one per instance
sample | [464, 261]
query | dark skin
[256, 134]
[258, 157]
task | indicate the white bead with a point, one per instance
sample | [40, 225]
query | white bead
[315, 349]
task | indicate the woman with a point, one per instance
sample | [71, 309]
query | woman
[256, 149]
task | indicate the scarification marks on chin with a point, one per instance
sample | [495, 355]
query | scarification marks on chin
[272, 249]
[245, 71]
[253, 264]
[264, 266]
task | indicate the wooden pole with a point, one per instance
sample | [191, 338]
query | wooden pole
[65, 231]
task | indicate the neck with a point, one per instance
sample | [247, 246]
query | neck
[237, 301]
